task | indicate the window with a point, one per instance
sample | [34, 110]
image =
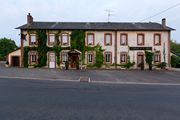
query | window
[123, 58]
[32, 39]
[33, 58]
[90, 39]
[90, 57]
[64, 39]
[108, 39]
[157, 39]
[51, 39]
[140, 39]
[108, 57]
[124, 39]
[64, 57]
[157, 58]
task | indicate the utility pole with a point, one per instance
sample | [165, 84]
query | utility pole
[109, 14]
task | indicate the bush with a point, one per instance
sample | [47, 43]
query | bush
[162, 65]
[128, 65]
[175, 61]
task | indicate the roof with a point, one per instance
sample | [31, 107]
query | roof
[151, 26]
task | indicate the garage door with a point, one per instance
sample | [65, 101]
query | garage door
[15, 61]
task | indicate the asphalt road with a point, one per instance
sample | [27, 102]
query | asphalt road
[53, 100]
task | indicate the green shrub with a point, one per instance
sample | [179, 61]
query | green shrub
[174, 61]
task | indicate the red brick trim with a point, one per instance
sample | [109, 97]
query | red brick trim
[105, 44]
[126, 34]
[169, 52]
[49, 58]
[155, 39]
[30, 43]
[122, 53]
[139, 53]
[62, 39]
[93, 58]
[108, 52]
[143, 38]
[51, 43]
[159, 57]
[93, 38]
[115, 50]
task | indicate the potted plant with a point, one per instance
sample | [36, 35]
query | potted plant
[149, 58]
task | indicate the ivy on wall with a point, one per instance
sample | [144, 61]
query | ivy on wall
[78, 42]
[42, 48]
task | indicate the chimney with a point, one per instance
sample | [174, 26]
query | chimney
[164, 22]
[29, 19]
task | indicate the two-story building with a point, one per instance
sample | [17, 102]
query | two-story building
[119, 40]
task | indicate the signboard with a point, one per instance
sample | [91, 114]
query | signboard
[140, 48]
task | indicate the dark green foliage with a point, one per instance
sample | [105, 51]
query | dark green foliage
[6, 46]
[57, 49]
[78, 42]
[175, 61]
[162, 65]
[128, 65]
[175, 47]
[99, 56]
[149, 58]
[42, 49]
[25, 54]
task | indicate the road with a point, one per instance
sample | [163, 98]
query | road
[55, 100]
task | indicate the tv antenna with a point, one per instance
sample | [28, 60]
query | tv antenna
[109, 14]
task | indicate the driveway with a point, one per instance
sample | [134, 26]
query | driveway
[115, 76]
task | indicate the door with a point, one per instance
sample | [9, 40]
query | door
[52, 61]
[74, 60]
[140, 60]
[15, 61]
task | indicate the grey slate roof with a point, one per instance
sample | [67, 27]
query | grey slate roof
[95, 26]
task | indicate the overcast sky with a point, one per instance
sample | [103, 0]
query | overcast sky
[13, 13]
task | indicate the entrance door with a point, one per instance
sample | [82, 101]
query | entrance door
[15, 61]
[74, 60]
[140, 60]
[52, 62]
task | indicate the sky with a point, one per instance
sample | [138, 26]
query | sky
[13, 13]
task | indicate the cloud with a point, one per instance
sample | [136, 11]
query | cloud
[13, 12]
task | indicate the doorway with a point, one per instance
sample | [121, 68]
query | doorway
[52, 60]
[15, 61]
[74, 60]
[140, 60]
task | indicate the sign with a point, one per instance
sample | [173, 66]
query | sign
[140, 48]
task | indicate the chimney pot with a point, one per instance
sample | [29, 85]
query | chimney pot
[29, 19]
[164, 22]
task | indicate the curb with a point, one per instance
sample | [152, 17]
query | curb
[96, 82]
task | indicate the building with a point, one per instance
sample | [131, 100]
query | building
[119, 40]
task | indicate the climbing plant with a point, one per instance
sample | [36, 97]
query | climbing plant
[42, 48]
[78, 41]
[25, 54]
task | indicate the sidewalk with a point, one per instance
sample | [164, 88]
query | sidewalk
[98, 76]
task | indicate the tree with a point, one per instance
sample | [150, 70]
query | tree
[149, 58]
[6, 46]
[175, 61]
[175, 47]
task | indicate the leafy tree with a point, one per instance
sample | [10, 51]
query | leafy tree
[175, 47]
[149, 58]
[175, 61]
[6, 46]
